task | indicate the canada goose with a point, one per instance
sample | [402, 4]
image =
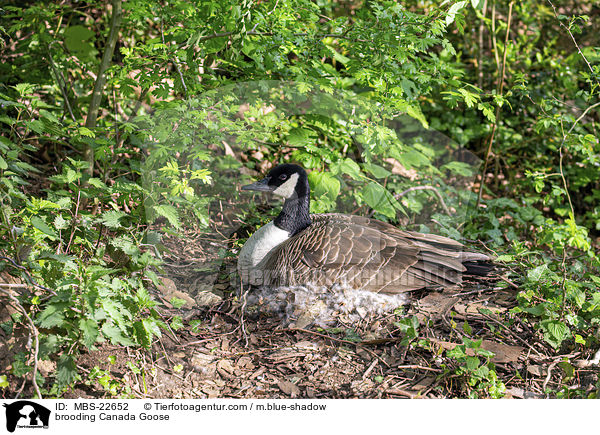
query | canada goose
[298, 248]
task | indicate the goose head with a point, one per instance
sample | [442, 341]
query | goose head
[290, 182]
[287, 181]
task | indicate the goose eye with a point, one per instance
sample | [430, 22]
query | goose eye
[283, 177]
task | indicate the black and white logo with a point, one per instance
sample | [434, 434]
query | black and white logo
[25, 414]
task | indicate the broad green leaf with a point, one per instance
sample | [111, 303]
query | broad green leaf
[350, 167]
[536, 274]
[53, 315]
[90, 330]
[60, 223]
[459, 168]
[43, 227]
[379, 199]
[454, 9]
[376, 170]
[111, 218]
[114, 334]
[67, 369]
[96, 182]
[169, 212]
[324, 184]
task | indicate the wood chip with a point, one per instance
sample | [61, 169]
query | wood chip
[289, 388]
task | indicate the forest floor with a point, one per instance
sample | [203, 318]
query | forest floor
[216, 352]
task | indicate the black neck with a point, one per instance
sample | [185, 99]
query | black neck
[295, 214]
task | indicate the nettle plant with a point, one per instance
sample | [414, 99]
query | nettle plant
[79, 296]
[475, 370]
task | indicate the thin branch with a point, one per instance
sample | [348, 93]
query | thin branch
[36, 339]
[111, 42]
[29, 278]
[174, 58]
[561, 155]
[60, 80]
[435, 190]
[480, 42]
[572, 37]
[500, 89]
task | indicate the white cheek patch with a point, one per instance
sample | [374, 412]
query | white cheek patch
[287, 189]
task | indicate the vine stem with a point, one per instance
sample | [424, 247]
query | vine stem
[437, 192]
[36, 339]
[561, 155]
[500, 89]
[572, 37]
[111, 42]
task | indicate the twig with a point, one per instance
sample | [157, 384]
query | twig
[572, 37]
[174, 58]
[370, 368]
[418, 367]
[548, 375]
[398, 392]
[512, 284]
[29, 278]
[36, 339]
[511, 333]
[92, 115]
[243, 308]
[60, 80]
[480, 42]
[500, 89]
[435, 190]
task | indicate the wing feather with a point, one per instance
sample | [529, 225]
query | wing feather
[365, 253]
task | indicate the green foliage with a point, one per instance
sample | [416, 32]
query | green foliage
[351, 91]
[474, 368]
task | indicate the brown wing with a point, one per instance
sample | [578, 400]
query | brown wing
[363, 253]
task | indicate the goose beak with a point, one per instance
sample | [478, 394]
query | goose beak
[260, 186]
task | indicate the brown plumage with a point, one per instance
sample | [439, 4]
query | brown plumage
[352, 251]
[365, 253]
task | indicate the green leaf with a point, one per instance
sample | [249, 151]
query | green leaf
[350, 167]
[477, 4]
[379, 199]
[3, 164]
[456, 352]
[555, 332]
[89, 327]
[84, 131]
[412, 158]
[96, 182]
[114, 334]
[169, 212]
[60, 223]
[472, 363]
[177, 303]
[77, 37]
[176, 323]
[111, 218]
[454, 9]
[53, 315]
[41, 225]
[460, 168]
[324, 184]
[67, 369]
[376, 170]
[536, 274]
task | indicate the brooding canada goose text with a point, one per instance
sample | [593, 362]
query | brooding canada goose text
[299, 248]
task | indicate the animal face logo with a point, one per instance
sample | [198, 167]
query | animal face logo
[25, 413]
